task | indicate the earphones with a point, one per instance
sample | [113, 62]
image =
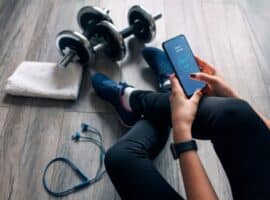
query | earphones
[86, 181]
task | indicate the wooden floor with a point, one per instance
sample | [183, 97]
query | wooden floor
[232, 35]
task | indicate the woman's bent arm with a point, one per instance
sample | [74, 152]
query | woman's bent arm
[183, 111]
[196, 181]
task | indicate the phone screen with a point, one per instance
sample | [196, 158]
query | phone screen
[184, 63]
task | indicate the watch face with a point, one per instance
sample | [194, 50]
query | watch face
[182, 147]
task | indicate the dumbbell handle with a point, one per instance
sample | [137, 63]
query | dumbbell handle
[130, 30]
[71, 54]
[157, 17]
[67, 59]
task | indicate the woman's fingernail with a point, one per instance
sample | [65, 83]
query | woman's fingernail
[171, 75]
[168, 75]
[192, 75]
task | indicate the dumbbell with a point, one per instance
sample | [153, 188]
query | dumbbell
[141, 24]
[75, 46]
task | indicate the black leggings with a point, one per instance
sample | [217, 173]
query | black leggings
[240, 138]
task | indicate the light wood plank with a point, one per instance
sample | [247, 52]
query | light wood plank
[258, 18]
[40, 144]
[3, 115]
[11, 145]
[244, 51]
[255, 16]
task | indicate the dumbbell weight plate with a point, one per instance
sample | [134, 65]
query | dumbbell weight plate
[70, 40]
[115, 46]
[89, 16]
[147, 32]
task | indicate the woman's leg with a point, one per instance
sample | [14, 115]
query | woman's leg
[240, 138]
[129, 163]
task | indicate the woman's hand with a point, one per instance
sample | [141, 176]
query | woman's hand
[183, 111]
[216, 86]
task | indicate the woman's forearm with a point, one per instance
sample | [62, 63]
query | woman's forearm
[197, 184]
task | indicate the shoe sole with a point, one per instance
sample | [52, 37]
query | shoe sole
[120, 119]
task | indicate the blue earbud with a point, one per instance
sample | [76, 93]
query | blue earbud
[84, 127]
[76, 137]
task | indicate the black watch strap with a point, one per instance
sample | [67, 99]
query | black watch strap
[182, 147]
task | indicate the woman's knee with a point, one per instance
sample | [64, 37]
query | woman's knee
[114, 157]
[122, 154]
[234, 111]
[232, 107]
[212, 109]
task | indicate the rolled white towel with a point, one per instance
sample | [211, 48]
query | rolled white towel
[45, 80]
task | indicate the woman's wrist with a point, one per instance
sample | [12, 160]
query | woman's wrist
[181, 134]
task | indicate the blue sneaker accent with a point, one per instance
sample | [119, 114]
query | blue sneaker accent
[110, 91]
[159, 63]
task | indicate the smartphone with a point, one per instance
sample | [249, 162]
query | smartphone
[182, 59]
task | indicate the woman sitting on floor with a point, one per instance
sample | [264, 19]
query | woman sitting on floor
[240, 136]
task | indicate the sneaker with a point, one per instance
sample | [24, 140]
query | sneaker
[110, 91]
[159, 63]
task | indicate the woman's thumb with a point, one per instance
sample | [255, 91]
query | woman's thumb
[196, 96]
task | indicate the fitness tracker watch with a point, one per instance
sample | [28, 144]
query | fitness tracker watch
[182, 147]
